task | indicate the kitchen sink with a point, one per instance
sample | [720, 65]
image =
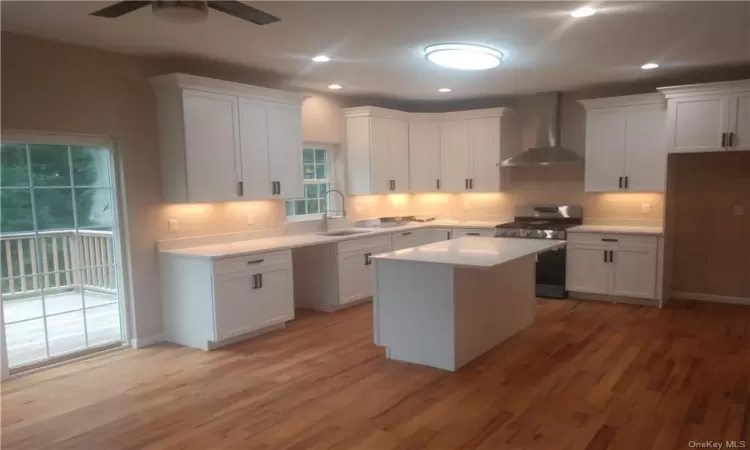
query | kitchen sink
[343, 232]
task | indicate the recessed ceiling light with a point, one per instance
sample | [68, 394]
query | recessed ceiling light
[444, 90]
[586, 11]
[321, 58]
[334, 86]
[648, 66]
[463, 56]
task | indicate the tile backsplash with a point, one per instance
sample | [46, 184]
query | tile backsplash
[234, 217]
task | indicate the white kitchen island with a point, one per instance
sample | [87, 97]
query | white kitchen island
[444, 304]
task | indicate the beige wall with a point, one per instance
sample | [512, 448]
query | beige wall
[711, 244]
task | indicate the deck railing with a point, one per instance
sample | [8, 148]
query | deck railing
[55, 261]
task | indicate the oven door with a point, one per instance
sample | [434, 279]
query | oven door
[550, 274]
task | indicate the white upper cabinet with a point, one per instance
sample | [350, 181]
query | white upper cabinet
[223, 141]
[625, 144]
[456, 158]
[739, 119]
[393, 151]
[424, 156]
[209, 157]
[377, 151]
[708, 117]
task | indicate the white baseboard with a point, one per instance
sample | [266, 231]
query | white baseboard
[147, 342]
[712, 298]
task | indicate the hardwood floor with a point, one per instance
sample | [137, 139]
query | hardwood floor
[585, 376]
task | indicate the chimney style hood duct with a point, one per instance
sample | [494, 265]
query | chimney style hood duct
[547, 150]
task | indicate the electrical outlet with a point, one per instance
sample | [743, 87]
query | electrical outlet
[645, 208]
[173, 225]
[739, 210]
[250, 219]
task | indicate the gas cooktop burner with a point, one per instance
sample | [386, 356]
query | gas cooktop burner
[541, 222]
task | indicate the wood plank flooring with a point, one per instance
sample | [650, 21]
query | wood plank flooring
[586, 376]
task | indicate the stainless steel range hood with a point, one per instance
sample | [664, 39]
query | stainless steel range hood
[547, 150]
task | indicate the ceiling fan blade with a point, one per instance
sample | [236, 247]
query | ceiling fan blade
[120, 8]
[242, 11]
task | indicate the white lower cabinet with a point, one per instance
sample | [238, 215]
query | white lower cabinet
[415, 238]
[463, 232]
[612, 264]
[355, 277]
[207, 302]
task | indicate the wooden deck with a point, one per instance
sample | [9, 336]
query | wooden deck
[67, 330]
[586, 376]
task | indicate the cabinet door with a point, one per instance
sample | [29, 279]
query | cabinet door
[276, 299]
[398, 154]
[285, 149]
[740, 121]
[454, 148]
[484, 138]
[605, 149]
[253, 120]
[235, 304]
[380, 179]
[211, 146]
[424, 156]
[645, 152]
[696, 123]
[586, 270]
[355, 278]
[634, 272]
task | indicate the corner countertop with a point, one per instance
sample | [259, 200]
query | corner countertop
[285, 242]
[473, 252]
[618, 229]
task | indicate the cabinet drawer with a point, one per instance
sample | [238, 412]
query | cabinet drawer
[463, 232]
[258, 262]
[612, 240]
[355, 245]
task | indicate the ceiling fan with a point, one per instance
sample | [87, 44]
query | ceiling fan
[189, 10]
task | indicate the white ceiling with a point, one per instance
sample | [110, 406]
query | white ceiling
[376, 46]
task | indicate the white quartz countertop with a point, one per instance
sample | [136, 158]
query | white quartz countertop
[619, 229]
[284, 242]
[474, 252]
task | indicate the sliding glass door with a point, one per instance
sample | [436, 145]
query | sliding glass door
[58, 252]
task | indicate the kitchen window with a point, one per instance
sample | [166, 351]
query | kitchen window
[317, 177]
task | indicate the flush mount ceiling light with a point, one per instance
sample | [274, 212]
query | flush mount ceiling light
[321, 58]
[586, 11]
[334, 86]
[444, 90]
[649, 66]
[463, 56]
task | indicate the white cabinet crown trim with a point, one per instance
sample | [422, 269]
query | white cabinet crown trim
[373, 111]
[688, 90]
[186, 81]
[623, 101]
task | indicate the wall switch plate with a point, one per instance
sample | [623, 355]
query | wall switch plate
[739, 210]
[173, 225]
[645, 208]
[250, 219]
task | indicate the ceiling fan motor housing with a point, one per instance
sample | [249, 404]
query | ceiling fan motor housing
[181, 11]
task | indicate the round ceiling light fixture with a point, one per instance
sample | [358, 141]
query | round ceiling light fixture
[586, 11]
[321, 58]
[444, 90]
[334, 86]
[648, 66]
[463, 56]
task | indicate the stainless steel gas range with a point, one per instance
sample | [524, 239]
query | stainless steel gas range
[545, 222]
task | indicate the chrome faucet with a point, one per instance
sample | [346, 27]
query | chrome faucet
[325, 213]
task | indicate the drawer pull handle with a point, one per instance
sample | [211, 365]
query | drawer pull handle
[257, 261]
[406, 234]
[472, 234]
[610, 240]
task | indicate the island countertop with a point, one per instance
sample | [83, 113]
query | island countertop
[474, 252]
